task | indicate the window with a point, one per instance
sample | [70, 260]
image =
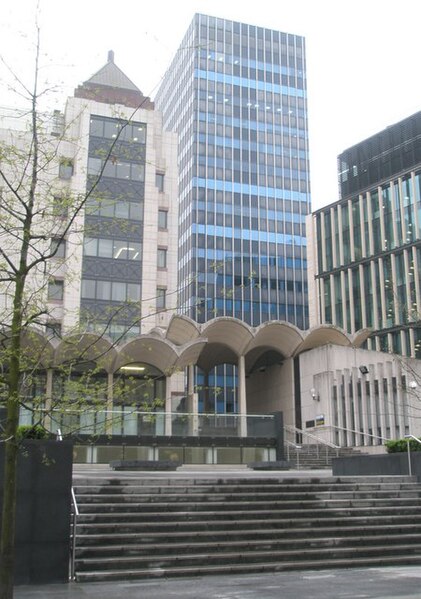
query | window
[161, 293]
[58, 246]
[65, 168]
[55, 289]
[159, 181]
[162, 219]
[162, 258]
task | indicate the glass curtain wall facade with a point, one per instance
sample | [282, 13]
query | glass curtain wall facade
[236, 95]
[368, 266]
[113, 240]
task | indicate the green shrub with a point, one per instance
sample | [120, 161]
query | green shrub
[399, 445]
[28, 431]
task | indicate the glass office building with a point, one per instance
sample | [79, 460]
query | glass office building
[236, 95]
[367, 264]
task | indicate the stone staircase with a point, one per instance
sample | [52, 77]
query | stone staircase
[318, 457]
[142, 527]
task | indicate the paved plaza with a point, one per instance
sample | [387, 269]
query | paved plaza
[364, 583]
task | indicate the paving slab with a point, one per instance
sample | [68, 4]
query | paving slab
[362, 583]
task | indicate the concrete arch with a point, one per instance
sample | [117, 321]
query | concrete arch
[151, 350]
[88, 347]
[190, 353]
[36, 348]
[278, 335]
[230, 332]
[324, 334]
[214, 354]
[361, 337]
[182, 329]
[261, 358]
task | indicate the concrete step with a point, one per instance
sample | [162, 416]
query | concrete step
[204, 570]
[133, 527]
[224, 546]
[239, 534]
[245, 557]
[136, 494]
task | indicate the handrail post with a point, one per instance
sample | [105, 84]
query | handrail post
[409, 456]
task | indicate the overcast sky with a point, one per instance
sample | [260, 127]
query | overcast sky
[363, 56]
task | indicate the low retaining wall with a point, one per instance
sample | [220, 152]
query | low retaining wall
[382, 465]
[44, 481]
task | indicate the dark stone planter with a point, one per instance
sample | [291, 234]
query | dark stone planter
[43, 511]
[278, 465]
[144, 465]
[381, 465]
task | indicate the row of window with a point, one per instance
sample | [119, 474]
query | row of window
[118, 249]
[117, 169]
[115, 209]
[115, 291]
[111, 129]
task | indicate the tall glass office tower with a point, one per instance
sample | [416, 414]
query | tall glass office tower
[236, 95]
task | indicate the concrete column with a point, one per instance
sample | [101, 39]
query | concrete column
[348, 410]
[365, 405]
[341, 416]
[356, 402]
[48, 398]
[396, 372]
[168, 407]
[391, 401]
[242, 402]
[192, 403]
[110, 404]
[382, 402]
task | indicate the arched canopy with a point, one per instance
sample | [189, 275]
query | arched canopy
[323, 335]
[182, 329]
[214, 354]
[262, 357]
[230, 332]
[220, 341]
[86, 347]
[190, 354]
[278, 335]
[151, 350]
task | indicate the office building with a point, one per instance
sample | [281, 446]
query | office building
[236, 96]
[365, 264]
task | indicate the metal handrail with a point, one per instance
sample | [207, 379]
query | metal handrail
[294, 429]
[408, 438]
[73, 536]
[297, 454]
[351, 430]
[75, 514]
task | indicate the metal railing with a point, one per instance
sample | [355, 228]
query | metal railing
[408, 439]
[289, 445]
[360, 433]
[131, 422]
[322, 446]
[75, 514]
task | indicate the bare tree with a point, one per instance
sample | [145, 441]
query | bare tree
[31, 234]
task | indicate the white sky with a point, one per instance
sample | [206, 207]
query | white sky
[363, 56]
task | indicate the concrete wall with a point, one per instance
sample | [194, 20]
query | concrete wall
[272, 391]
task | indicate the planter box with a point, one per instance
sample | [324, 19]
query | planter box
[381, 465]
[144, 465]
[43, 510]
